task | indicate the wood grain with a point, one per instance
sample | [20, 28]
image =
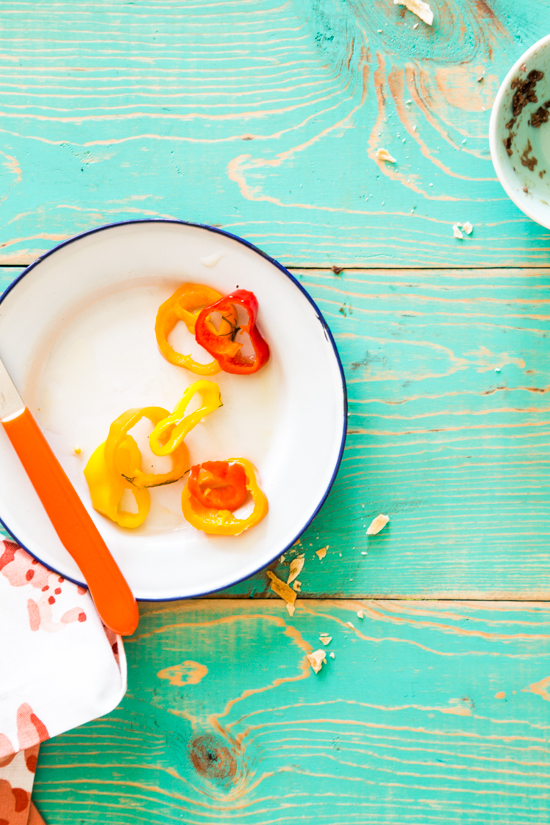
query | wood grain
[264, 117]
[449, 426]
[429, 713]
[448, 381]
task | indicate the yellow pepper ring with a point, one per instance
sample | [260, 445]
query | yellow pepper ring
[223, 522]
[185, 305]
[169, 433]
[107, 489]
[118, 436]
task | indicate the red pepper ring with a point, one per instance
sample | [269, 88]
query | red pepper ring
[218, 484]
[223, 522]
[222, 345]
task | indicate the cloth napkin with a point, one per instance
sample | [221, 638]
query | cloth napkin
[59, 668]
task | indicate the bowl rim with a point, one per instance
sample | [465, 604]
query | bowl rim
[320, 318]
[494, 138]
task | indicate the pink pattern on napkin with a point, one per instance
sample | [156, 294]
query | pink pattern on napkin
[70, 677]
[30, 731]
[20, 570]
[16, 783]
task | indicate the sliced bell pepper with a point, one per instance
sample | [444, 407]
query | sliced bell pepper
[222, 343]
[218, 484]
[184, 305]
[107, 488]
[217, 521]
[118, 435]
[170, 431]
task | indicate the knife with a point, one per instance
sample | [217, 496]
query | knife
[109, 589]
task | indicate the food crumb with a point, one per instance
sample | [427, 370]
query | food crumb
[539, 117]
[468, 228]
[360, 614]
[419, 8]
[212, 260]
[456, 231]
[332, 654]
[281, 588]
[77, 450]
[317, 659]
[336, 269]
[525, 189]
[526, 160]
[377, 524]
[322, 552]
[291, 608]
[525, 91]
[350, 624]
[383, 154]
[296, 566]
[325, 638]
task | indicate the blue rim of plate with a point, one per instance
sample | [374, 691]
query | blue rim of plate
[328, 335]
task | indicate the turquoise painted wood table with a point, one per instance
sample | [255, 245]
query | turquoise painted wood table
[264, 117]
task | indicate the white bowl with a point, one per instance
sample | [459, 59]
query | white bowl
[77, 336]
[529, 188]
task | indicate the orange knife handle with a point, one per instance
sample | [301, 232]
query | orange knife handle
[113, 598]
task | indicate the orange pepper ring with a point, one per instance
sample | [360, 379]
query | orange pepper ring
[184, 305]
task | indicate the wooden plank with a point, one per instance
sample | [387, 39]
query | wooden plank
[449, 426]
[8, 274]
[264, 117]
[429, 714]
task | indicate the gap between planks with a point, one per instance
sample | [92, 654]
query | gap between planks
[374, 266]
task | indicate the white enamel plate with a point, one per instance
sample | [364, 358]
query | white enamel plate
[77, 336]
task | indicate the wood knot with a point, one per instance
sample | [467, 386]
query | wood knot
[211, 758]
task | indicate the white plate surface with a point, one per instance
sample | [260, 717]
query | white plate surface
[77, 336]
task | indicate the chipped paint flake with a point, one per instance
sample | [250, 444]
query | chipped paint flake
[419, 8]
[187, 673]
[325, 638]
[317, 659]
[377, 524]
[540, 688]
